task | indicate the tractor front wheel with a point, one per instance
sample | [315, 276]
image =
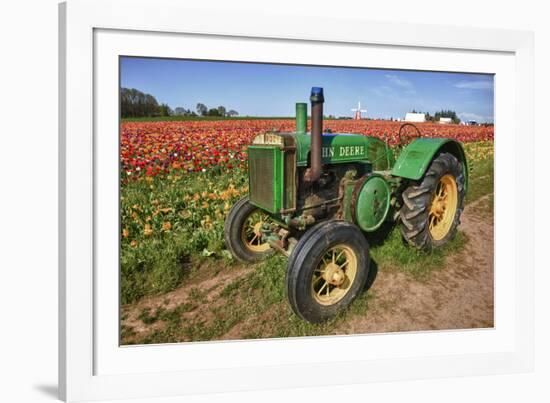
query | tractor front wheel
[242, 232]
[431, 209]
[327, 270]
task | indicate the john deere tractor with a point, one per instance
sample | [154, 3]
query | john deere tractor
[314, 196]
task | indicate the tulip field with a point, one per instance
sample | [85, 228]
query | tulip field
[153, 148]
[180, 178]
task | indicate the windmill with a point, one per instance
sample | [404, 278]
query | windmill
[358, 111]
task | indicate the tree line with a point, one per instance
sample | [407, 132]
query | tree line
[203, 110]
[136, 104]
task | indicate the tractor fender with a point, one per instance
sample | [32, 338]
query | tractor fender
[415, 158]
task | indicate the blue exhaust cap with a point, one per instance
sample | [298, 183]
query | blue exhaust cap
[317, 94]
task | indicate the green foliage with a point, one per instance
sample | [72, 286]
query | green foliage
[180, 111]
[214, 112]
[481, 165]
[164, 110]
[221, 110]
[392, 252]
[148, 318]
[201, 109]
[167, 224]
[134, 103]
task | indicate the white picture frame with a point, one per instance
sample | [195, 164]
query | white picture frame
[93, 366]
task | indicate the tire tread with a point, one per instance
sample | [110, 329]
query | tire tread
[417, 198]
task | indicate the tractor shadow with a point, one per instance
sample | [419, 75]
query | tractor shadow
[376, 238]
[380, 236]
[373, 272]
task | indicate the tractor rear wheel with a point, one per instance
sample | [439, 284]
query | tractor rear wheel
[327, 270]
[431, 209]
[242, 232]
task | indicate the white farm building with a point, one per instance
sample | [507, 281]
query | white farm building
[445, 121]
[415, 117]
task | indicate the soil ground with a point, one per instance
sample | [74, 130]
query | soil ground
[458, 295]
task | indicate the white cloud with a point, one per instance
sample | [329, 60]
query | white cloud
[475, 85]
[401, 82]
[382, 91]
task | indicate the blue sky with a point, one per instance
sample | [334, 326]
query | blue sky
[272, 90]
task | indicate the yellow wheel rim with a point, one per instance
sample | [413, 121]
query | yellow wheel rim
[334, 275]
[251, 234]
[443, 207]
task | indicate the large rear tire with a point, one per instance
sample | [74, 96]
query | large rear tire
[242, 232]
[327, 270]
[431, 209]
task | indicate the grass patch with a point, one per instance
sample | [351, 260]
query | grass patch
[394, 253]
[481, 164]
[147, 317]
[197, 295]
[126, 333]
[481, 181]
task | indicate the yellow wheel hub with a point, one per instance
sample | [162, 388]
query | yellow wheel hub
[334, 275]
[443, 207]
[251, 234]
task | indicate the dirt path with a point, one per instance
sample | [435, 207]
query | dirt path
[199, 296]
[457, 296]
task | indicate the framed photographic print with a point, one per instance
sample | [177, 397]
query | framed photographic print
[249, 202]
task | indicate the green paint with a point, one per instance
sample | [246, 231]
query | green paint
[348, 197]
[266, 170]
[415, 159]
[278, 182]
[373, 203]
[301, 117]
[345, 148]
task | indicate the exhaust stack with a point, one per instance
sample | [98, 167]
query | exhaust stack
[317, 99]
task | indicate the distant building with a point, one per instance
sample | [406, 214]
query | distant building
[415, 117]
[445, 121]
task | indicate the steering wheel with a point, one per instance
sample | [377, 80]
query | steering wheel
[401, 142]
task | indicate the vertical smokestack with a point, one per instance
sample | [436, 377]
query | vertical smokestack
[317, 99]
[301, 117]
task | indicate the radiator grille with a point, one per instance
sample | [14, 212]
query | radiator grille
[261, 171]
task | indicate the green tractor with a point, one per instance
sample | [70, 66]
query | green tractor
[313, 196]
